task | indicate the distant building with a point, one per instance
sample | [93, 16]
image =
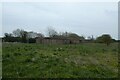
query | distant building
[52, 40]
[57, 40]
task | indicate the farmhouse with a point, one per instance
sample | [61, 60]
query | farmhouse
[52, 40]
[57, 40]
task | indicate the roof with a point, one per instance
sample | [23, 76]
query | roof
[60, 38]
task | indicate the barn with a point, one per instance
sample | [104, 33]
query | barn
[52, 40]
[57, 40]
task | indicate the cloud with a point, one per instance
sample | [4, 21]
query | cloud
[81, 18]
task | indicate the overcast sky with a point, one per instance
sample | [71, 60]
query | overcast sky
[88, 18]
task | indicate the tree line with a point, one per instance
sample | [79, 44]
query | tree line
[20, 35]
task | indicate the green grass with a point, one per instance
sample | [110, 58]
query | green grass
[90, 60]
[0, 59]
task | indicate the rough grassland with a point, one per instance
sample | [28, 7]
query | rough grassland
[0, 59]
[60, 61]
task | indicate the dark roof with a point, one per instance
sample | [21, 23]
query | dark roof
[54, 38]
[60, 38]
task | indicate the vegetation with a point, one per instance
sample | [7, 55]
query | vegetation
[0, 58]
[106, 38]
[86, 60]
[23, 36]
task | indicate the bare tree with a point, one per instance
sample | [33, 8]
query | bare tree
[24, 36]
[51, 32]
[21, 33]
[17, 33]
[40, 35]
[34, 34]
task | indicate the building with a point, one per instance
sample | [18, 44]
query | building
[52, 40]
[57, 40]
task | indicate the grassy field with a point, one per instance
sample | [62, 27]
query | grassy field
[60, 61]
[0, 59]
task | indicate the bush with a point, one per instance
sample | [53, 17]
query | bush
[32, 40]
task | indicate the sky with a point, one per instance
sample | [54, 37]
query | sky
[82, 18]
[59, 0]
